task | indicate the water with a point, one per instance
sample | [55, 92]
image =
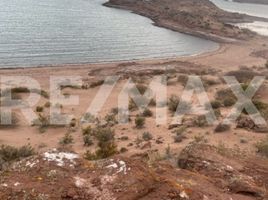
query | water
[49, 32]
[258, 10]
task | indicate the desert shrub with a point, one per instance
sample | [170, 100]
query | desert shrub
[90, 156]
[209, 82]
[147, 113]
[222, 128]
[146, 136]
[179, 138]
[10, 153]
[88, 117]
[111, 119]
[106, 150]
[124, 138]
[215, 104]
[43, 122]
[227, 102]
[139, 122]
[96, 83]
[141, 88]
[87, 140]
[181, 130]
[223, 93]
[39, 109]
[115, 111]
[174, 102]
[200, 121]
[262, 147]
[200, 139]
[266, 64]
[47, 104]
[87, 130]
[123, 150]
[226, 96]
[243, 75]
[138, 101]
[67, 139]
[103, 135]
[183, 79]
[70, 86]
[243, 141]
[73, 122]
[152, 102]
[26, 90]
[4, 120]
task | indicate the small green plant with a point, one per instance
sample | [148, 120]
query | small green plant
[139, 122]
[67, 139]
[39, 109]
[146, 136]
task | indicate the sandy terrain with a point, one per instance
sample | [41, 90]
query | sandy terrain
[229, 57]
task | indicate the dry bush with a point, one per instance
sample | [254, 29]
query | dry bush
[182, 79]
[106, 144]
[226, 96]
[243, 75]
[10, 153]
[147, 113]
[222, 128]
[39, 109]
[96, 83]
[67, 139]
[139, 122]
[262, 147]
[200, 121]
[87, 140]
[174, 102]
[146, 136]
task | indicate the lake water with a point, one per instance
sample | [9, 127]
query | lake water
[49, 32]
[258, 10]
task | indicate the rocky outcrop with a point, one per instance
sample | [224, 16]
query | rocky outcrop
[197, 17]
[227, 170]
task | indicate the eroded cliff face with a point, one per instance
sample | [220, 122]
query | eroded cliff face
[203, 173]
[197, 17]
